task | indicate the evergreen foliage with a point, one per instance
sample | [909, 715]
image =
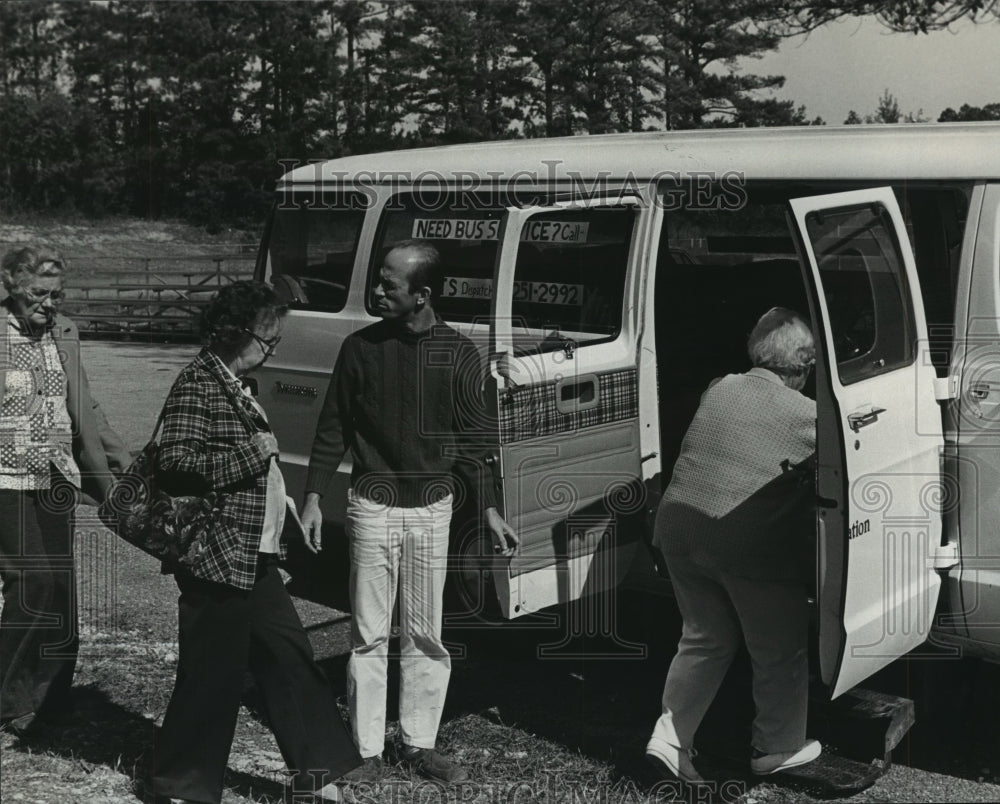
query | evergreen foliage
[192, 108]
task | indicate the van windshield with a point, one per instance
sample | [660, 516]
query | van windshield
[310, 249]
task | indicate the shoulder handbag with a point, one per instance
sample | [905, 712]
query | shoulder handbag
[174, 529]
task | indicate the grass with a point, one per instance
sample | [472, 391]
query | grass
[561, 729]
[513, 753]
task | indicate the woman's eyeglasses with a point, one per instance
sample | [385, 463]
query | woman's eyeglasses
[266, 346]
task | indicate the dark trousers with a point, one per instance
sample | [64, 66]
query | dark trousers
[39, 637]
[721, 612]
[223, 633]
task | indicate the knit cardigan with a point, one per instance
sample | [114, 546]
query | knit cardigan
[734, 502]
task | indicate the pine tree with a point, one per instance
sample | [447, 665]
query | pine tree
[991, 111]
[695, 39]
[30, 47]
[461, 75]
[589, 63]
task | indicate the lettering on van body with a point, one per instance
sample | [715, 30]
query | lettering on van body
[295, 390]
[859, 528]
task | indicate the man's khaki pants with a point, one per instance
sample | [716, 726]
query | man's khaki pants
[402, 550]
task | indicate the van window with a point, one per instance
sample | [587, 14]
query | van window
[867, 295]
[311, 247]
[935, 222]
[466, 235]
[569, 278]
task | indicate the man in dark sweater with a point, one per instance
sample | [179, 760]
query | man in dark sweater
[404, 398]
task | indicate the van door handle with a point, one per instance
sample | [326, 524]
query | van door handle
[574, 395]
[858, 420]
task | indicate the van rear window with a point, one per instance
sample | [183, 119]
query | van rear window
[310, 249]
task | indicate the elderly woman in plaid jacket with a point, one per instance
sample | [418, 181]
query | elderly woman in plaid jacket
[234, 612]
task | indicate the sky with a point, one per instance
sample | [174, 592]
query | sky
[848, 65]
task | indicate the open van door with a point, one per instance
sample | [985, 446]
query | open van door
[565, 386]
[879, 435]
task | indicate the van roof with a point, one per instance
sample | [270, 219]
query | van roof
[900, 151]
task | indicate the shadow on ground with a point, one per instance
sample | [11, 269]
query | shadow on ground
[592, 695]
[101, 733]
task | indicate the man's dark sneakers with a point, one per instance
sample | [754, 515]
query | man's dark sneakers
[433, 764]
[370, 771]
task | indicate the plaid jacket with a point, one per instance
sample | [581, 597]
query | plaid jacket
[206, 445]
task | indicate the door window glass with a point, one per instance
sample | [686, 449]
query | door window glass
[569, 278]
[864, 282]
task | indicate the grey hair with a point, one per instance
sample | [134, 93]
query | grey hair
[34, 260]
[782, 342]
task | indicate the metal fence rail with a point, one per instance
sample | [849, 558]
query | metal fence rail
[160, 303]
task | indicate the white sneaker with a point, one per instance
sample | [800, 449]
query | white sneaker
[772, 763]
[334, 792]
[669, 759]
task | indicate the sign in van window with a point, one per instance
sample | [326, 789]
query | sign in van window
[455, 229]
[466, 287]
[466, 236]
[553, 231]
[548, 293]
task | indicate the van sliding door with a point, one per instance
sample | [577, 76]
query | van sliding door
[879, 435]
[564, 370]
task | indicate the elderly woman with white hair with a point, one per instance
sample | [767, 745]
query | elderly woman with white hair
[54, 442]
[732, 530]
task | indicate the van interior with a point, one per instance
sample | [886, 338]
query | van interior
[719, 271]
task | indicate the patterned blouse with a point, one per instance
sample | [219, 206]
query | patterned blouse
[35, 427]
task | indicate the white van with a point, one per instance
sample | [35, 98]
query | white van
[609, 279]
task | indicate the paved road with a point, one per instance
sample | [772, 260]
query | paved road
[122, 589]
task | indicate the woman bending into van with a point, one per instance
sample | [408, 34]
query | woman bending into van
[234, 613]
[734, 526]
